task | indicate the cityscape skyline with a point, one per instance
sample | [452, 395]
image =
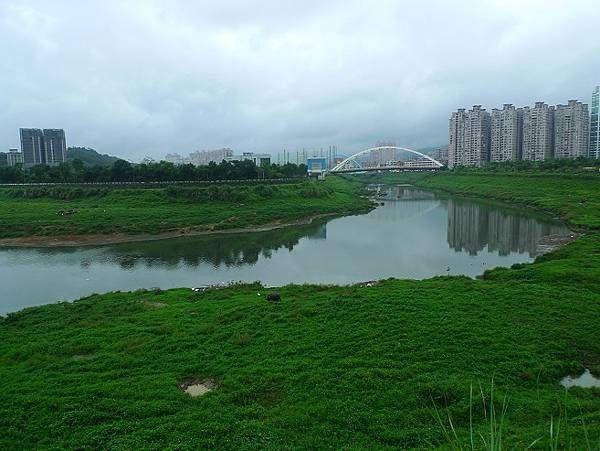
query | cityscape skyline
[477, 137]
[525, 133]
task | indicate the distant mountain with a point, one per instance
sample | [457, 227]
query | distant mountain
[89, 156]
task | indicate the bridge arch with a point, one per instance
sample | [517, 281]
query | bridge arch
[341, 164]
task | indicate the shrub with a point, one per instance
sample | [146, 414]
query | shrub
[63, 193]
[213, 193]
[314, 190]
[265, 190]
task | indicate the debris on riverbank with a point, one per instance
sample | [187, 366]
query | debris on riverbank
[551, 242]
[198, 387]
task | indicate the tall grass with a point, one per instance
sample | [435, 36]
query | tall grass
[490, 433]
[490, 438]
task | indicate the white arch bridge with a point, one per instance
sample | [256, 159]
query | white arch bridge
[351, 164]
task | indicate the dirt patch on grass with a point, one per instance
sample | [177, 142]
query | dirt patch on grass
[83, 357]
[198, 387]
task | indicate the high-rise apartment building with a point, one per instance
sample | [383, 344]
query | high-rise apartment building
[506, 133]
[55, 146]
[595, 125]
[32, 146]
[469, 137]
[456, 137]
[538, 132]
[571, 130]
[43, 147]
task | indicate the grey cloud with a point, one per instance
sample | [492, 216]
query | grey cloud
[143, 78]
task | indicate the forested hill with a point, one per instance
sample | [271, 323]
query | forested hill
[89, 157]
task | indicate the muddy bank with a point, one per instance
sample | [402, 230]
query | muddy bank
[96, 240]
[553, 242]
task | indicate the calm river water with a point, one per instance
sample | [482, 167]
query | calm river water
[414, 234]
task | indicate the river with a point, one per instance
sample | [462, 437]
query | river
[413, 234]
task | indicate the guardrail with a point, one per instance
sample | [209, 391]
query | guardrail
[150, 184]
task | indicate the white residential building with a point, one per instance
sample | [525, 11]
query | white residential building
[571, 130]
[506, 133]
[538, 132]
[469, 137]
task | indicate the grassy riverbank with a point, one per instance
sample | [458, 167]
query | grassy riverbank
[76, 212]
[448, 361]
[574, 197]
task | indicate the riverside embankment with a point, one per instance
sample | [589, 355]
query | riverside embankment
[448, 361]
[61, 216]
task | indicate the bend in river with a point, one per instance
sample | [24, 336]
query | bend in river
[413, 234]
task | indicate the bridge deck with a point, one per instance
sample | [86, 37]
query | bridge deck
[386, 168]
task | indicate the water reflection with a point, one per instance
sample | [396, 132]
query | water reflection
[414, 234]
[227, 250]
[586, 380]
[473, 226]
[221, 250]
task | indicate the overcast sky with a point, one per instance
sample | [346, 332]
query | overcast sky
[135, 78]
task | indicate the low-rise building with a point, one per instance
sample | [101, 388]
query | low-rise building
[205, 157]
[14, 157]
[175, 158]
[259, 159]
[316, 166]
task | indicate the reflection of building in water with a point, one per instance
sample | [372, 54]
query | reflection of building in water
[472, 227]
[467, 227]
[319, 234]
[410, 193]
[400, 192]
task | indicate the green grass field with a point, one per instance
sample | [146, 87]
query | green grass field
[450, 361]
[29, 212]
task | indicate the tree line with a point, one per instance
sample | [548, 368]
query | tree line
[76, 171]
